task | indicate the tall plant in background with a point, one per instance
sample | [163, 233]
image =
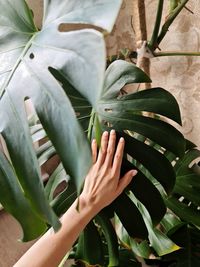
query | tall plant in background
[75, 99]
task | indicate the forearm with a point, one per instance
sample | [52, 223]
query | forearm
[52, 247]
[102, 185]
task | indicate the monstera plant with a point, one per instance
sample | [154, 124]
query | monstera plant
[64, 75]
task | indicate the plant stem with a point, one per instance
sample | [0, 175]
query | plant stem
[153, 41]
[175, 53]
[111, 238]
[169, 20]
[91, 123]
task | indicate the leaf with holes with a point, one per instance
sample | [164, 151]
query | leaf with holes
[27, 56]
[125, 112]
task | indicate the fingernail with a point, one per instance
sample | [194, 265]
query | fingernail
[121, 139]
[112, 131]
[105, 133]
[94, 140]
[134, 172]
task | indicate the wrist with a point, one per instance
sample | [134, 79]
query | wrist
[89, 204]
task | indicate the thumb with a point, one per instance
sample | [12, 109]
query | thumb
[126, 179]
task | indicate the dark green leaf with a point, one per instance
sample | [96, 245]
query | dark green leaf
[189, 239]
[156, 100]
[14, 201]
[186, 194]
[158, 131]
[80, 104]
[152, 199]
[127, 259]
[158, 240]
[63, 201]
[120, 73]
[186, 213]
[90, 248]
[111, 238]
[171, 223]
[128, 214]
[141, 152]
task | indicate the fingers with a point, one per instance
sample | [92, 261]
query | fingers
[118, 157]
[94, 150]
[103, 149]
[111, 148]
[125, 180]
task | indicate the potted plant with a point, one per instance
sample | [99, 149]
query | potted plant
[75, 98]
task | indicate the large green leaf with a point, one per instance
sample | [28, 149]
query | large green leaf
[27, 56]
[14, 201]
[137, 102]
[141, 152]
[185, 199]
[125, 114]
[120, 73]
[156, 100]
[81, 106]
[151, 198]
[123, 204]
[101, 13]
[158, 240]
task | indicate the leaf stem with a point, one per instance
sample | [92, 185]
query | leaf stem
[170, 19]
[111, 238]
[91, 124]
[175, 53]
[153, 42]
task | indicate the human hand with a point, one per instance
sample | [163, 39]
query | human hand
[102, 183]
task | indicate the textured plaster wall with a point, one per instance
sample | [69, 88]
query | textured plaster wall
[181, 75]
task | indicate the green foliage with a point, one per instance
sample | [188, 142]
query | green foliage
[28, 54]
[185, 199]
[187, 237]
[75, 99]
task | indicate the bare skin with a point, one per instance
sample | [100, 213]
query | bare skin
[102, 185]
